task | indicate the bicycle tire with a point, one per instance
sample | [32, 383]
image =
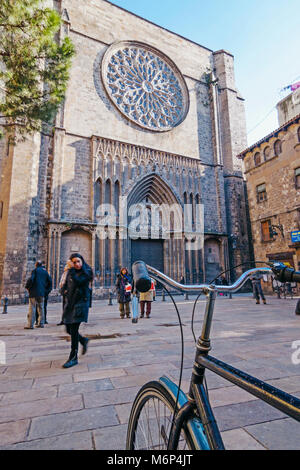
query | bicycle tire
[144, 431]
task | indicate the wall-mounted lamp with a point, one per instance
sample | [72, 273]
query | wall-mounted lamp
[233, 239]
[273, 232]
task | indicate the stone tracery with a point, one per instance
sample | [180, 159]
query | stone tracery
[145, 85]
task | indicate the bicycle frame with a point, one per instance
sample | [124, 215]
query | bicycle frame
[197, 396]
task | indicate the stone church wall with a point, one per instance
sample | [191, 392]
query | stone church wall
[51, 201]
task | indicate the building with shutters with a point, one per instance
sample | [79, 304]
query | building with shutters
[272, 170]
[149, 117]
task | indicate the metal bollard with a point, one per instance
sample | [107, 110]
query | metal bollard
[230, 295]
[163, 298]
[5, 303]
[110, 298]
[186, 296]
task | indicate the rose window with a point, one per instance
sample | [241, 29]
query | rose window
[145, 85]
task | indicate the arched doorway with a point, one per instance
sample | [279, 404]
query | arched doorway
[75, 241]
[160, 243]
[212, 253]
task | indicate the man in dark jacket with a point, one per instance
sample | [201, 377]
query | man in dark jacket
[38, 285]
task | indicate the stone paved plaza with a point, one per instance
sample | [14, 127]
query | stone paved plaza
[43, 406]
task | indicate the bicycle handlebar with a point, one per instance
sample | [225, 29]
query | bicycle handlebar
[202, 287]
[141, 278]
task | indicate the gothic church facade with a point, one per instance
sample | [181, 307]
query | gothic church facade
[149, 116]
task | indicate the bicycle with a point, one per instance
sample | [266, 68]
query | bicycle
[162, 415]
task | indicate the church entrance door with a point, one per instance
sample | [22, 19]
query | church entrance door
[149, 251]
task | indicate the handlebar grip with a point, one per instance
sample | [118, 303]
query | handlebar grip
[142, 280]
[296, 276]
[284, 274]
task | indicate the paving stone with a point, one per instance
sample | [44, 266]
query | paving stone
[14, 385]
[123, 412]
[155, 369]
[288, 384]
[85, 387]
[73, 441]
[54, 357]
[65, 423]
[14, 431]
[239, 439]
[283, 434]
[14, 374]
[101, 374]
[35, 373]
[245, 414]
[229, 396]
[39, 408]
[110, 397]
[111, 438]
[111, 364]
[266, 374]
[52, 380]
[131, 380]
[33, 395]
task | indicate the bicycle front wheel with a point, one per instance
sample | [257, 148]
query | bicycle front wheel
[151, 419]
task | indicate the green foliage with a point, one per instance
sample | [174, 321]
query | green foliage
[34, 66]
[208, 78]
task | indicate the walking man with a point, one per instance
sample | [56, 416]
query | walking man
[38, 285]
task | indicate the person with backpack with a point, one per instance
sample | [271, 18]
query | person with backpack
[146, 298]
[124, 287]
[39, 285]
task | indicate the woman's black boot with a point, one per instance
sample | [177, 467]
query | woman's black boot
[72, 361]
[85, 345]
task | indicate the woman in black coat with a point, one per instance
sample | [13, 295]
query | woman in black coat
[77, 293]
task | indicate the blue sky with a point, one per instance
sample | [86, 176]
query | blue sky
[263, 35]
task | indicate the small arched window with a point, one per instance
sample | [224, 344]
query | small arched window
[277, 147]
[108, 192]
[298, 134]
[97, 195]
[257, 159]
[267, 153]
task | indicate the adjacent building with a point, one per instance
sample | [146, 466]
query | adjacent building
[272, 171]
[289, 107]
